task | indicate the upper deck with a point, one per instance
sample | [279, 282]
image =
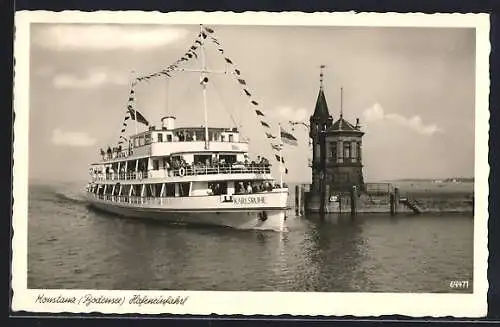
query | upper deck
[158, 142]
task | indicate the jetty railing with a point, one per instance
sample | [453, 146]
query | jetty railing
[184, 171]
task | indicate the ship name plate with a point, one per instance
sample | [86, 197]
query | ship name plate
[249, 200]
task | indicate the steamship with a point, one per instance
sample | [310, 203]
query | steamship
[188, 175]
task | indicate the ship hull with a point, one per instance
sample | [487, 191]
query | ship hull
[239, 218]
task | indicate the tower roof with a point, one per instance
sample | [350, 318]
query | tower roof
[342, 125]
[321, 109]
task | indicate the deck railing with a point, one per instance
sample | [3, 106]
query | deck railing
[185, 171]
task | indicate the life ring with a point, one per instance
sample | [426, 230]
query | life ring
[182, 171]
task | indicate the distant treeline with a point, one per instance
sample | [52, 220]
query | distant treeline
[444, 180]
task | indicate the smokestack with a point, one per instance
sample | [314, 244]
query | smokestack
[168, 123]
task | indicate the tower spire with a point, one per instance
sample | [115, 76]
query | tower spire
[341, 102]
[321, 74]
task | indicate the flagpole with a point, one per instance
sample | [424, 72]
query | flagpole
[204, 87]
[132, 86]
[281, 155]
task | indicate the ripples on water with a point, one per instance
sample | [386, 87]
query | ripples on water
[71, 246]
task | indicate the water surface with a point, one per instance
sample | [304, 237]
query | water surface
[74, 247]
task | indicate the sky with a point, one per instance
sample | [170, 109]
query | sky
[411, 88]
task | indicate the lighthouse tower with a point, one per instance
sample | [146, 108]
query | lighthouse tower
[337, 146]
[320, 122]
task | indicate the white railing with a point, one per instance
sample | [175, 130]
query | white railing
[184, 171]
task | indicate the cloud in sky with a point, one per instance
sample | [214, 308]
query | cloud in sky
[75, 139]
[286, 113]
[376, 113]
[105, 37]
[93, 78]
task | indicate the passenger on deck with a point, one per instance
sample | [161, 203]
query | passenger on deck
[249, 188]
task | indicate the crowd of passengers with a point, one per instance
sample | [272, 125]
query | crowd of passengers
[178, 163]
[174, 164]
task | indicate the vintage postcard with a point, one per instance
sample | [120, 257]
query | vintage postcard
[324, 164]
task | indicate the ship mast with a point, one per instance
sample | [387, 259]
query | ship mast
[204, 87]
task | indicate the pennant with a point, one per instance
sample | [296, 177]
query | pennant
[280, 159]
[246, 92]
[214, 40]
[123, 137]
[126, 118]
[242, 81]
[131, 99]
[198, 42]
[120, 142]
[228, 60]
[209, 30]
[123, 130]
[221, 51]
[193, 47]
[276, 147]
[255, 103]
[237, 71]
[288, 138]
[140, 117]
[259, 113]
[132, 91]
[270, 136]
[204, 35]
[204, 81]
[124, 124]
[265, 124]
[189, 55]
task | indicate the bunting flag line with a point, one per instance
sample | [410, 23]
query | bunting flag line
[265, 124]
[237, 73]
[278, 157]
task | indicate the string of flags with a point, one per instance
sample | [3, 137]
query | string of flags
[207, 33]
[285, 136]
[134, 114]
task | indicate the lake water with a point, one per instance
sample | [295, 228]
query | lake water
[73, 247]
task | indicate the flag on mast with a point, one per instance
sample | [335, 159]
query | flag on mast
[288, 138]
[137, 116]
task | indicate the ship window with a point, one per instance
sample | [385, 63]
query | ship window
[169, 190]
[147, 138]
[200, 135]
[183, 189]
[222, 138]
[218, 188]
[202, 159]
[160, 137]
[231, 137]
[156, 164]
[333, 150]
[227, 158]
[169, 137]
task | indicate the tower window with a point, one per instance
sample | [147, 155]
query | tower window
[333, 151]
[347, 150]
[358, 144]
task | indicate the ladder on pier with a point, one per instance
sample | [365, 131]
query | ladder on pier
[412, 204]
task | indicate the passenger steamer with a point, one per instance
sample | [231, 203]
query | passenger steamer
[188, 175]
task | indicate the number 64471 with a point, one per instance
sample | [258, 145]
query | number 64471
[459, 284]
